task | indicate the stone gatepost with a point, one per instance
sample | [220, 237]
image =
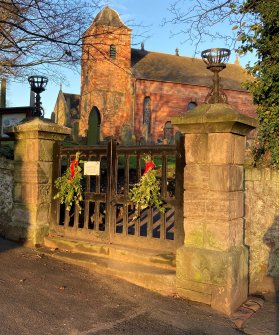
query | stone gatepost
[212, 266]
[35, 141]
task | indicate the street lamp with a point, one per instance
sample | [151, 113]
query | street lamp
[215, 60]
[38, 85]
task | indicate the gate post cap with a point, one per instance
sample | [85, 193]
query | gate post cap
[37, 127]
[214, 118]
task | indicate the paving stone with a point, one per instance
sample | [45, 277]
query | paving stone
[246, 310]
[241, 316]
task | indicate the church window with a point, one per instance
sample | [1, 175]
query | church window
[147, 110]
[112, 51]
[191, 105]
[147, 115]
[169, 132]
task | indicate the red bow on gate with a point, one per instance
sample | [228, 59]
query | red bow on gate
[149, 166]
[73, 165]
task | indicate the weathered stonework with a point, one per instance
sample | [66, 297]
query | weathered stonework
[6, 191]
[212, 266]
[36, 140]
[262, 228]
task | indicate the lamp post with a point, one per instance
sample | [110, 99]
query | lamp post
[38, 85]
[215, 60]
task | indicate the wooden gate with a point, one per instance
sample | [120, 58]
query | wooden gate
[108, 215]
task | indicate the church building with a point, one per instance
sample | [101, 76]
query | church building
[132, 93]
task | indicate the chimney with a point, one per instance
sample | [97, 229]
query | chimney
[3, 93]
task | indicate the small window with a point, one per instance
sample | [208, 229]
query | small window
[147, 115]
[191, 105]
[146, 110]
[112, 51]
[169, 132]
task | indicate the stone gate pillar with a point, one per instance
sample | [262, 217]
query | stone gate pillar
[35, 141]
[212, 266]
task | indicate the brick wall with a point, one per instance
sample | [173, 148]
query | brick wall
[262, 227]
[172, 99]
[6, 189]
[109, 85]
[106, 83]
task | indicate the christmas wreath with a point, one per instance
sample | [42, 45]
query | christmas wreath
[69, 185]
[147, 191]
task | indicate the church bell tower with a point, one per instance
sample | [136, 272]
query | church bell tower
[106, 83]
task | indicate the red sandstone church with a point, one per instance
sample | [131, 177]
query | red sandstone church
[133, 93]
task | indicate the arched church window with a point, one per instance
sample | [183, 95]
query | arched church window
[191, 105]
[146, 110]
[147, 117]
[169, 132]
[112, 51]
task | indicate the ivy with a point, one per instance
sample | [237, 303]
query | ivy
[69, 185]
[263, 37]
[147, 191]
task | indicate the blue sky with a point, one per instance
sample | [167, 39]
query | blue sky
[146, 12]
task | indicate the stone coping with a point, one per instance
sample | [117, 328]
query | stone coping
[214, 118]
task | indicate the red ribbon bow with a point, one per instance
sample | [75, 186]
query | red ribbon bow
[149, 166]
[73, 165]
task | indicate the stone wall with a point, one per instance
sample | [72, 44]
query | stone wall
[36, 141]
[262, 228]
[6, 190]
[212, 265]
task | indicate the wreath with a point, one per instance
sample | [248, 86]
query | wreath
[69, 185]
[147, 191]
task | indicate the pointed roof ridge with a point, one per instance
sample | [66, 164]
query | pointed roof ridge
[152, 65]
[108, 17]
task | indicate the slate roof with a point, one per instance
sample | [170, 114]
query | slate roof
[186, 70]
[108, 17]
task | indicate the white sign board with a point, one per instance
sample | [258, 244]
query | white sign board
[91, 168]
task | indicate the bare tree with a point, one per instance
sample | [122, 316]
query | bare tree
[43, 34]
[256, 27]
[201, 20]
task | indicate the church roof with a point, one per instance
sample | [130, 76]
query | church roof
[108, 17]
[186, 70]
[72, 101]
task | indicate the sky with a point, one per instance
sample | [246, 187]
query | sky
[145, 12]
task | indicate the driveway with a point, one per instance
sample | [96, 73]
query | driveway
[39, 295]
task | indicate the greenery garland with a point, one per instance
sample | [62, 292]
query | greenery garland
[147, 191]
[69, 185]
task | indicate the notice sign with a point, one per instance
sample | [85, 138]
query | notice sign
[91, 168]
